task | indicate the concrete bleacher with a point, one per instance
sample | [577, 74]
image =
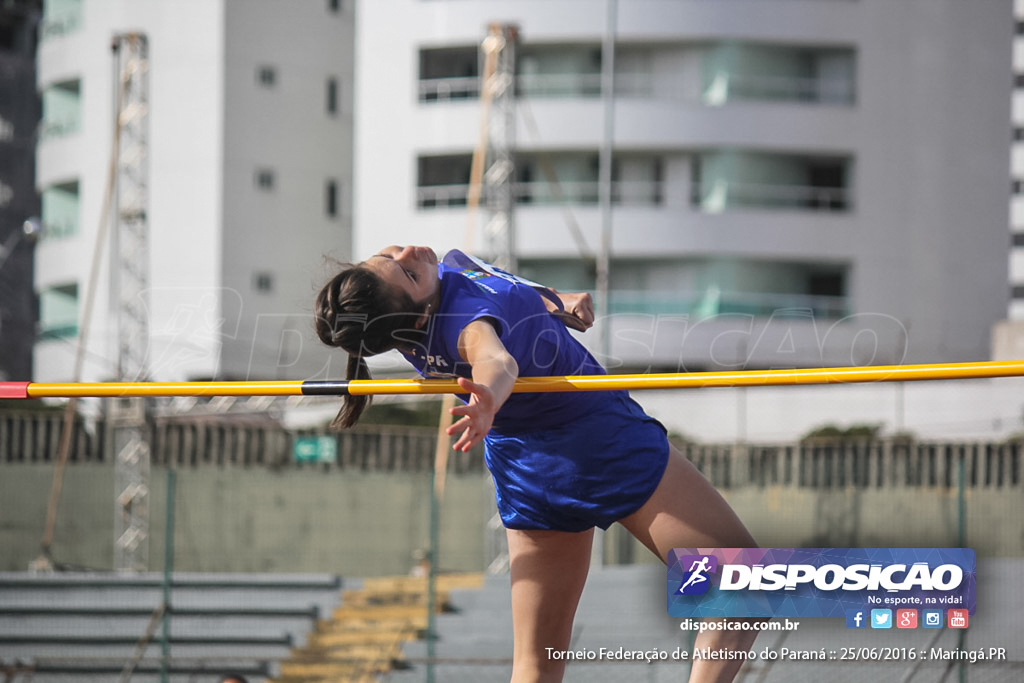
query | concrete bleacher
[88, 627]
[620, 606]
[362, 641]
[306, 630]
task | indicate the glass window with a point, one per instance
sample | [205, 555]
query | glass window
[58, 312]
[60, 208]
[733, 178]
[544, 179]
[331, 96]
[60, 17]
[265, 179]
[443, 180]
[559, 70]
[62, 109]
[266, 76]
[707, 287]
[449, 74]
[263, 282]
[755, 71]
[331, 198]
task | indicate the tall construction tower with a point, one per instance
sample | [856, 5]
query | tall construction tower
[130, 280]
[499, 86]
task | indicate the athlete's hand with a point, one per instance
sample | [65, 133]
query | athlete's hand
[581, 305]
[579, 310]
[477, 415]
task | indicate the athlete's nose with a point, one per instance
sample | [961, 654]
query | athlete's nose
[415, 254]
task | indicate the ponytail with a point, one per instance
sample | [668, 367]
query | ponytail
[353, 406]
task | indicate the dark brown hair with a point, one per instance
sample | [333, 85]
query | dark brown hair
[358, 312]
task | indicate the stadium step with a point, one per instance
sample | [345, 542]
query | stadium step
[363, 639]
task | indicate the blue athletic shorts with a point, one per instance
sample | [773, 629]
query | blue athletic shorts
[590, 472]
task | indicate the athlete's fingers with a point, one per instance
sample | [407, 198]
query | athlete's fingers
[469, 438]
[476, 416]
[468, 433]
[464, 443]
[469, 385]
[458, 426]
[464, 409]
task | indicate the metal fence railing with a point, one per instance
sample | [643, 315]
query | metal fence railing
[34, 437]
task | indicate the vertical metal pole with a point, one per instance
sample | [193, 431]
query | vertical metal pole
[602, 283]
[900, 407]
[435, 503]
[961, 504]
[165, 638]
[961, 541]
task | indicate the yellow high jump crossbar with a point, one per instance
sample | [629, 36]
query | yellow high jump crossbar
[370, 387]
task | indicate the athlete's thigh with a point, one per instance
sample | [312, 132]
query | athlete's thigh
[548, 570]
[686, 511]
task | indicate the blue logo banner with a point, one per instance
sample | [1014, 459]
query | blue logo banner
[818, 582]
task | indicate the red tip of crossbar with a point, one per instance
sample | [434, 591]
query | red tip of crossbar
[14, 389]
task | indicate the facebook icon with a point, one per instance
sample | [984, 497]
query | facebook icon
[856, 618]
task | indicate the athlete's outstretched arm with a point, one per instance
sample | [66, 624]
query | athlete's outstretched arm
[494, 374]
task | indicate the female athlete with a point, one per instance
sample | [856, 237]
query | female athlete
[562, 463]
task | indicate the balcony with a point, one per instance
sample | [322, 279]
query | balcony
[713, 302]
[449, 89]
[720, 196]
[712, 74]
[541, 193]
[731, 178]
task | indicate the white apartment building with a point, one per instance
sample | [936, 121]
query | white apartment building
[793, 182]
[248, 171]
[1008, 337]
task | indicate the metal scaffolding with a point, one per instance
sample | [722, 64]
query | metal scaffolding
[499, 171]
[130, 282]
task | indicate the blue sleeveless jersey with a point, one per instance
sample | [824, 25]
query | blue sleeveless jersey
[562, 460]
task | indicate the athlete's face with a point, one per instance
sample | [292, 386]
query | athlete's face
[412, 270]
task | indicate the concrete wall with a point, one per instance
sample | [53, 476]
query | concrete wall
[785, 517]
[252, 519]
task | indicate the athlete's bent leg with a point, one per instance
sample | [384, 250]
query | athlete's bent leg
[686, 511]
[548, 570]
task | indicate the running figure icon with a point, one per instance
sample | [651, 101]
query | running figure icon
[697, 573]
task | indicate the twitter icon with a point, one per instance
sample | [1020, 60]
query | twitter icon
[881, 618]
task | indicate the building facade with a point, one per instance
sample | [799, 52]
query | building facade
[19, 203]
[788, 183]
[1008, 335]
[247, 169]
